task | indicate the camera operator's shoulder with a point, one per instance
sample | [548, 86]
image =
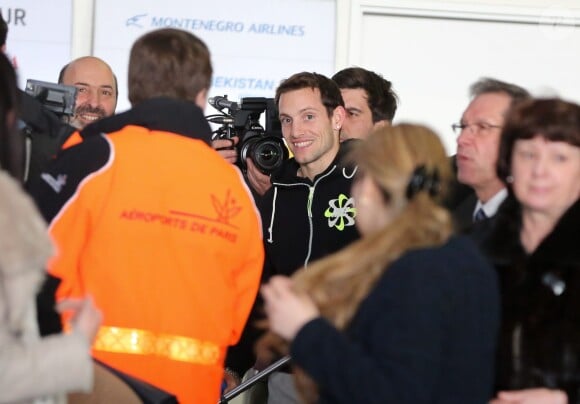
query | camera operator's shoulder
[63, 176]
[79, 161]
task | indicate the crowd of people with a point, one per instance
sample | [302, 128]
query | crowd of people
[134, 252]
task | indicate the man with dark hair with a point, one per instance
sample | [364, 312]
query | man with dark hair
[157, 227]
[308, 212]
[369, 101]
[311, 113]
[478, 133]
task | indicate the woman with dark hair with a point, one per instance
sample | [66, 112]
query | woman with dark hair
[407, 314]
[533, 244]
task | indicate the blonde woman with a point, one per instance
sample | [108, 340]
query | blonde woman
[407, 314]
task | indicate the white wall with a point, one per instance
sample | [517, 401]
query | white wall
[39, 37]
[345, 9]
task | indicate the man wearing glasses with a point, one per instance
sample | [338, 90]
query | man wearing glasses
[478, 133]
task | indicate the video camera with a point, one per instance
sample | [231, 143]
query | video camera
[264, 147]
[58, 98]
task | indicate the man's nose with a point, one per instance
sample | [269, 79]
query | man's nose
[296, 129]
[93, 98]
[465, 136]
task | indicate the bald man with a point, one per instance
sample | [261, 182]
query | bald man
[97, 89]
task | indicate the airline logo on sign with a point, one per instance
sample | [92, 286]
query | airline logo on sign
[210, 25]
[135, 21]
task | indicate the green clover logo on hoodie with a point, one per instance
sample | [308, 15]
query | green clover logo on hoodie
[341, 212]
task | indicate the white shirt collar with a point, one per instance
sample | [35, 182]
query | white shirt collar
[492, 205]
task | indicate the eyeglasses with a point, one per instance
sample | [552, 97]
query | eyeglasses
[479, 127]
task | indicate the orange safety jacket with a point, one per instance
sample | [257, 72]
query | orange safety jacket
[164, 234]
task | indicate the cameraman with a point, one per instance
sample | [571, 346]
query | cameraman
[44, 131]
[97, 95]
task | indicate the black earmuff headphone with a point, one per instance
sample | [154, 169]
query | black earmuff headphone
[423, 180]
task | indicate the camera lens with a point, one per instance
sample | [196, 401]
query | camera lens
[267, 153]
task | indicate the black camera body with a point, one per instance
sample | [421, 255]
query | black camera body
[58, 98]
[264, 146]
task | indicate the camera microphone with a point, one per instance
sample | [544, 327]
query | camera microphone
[222, 102]
[221, 119]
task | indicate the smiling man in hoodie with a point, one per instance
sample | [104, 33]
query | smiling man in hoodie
[308, 212]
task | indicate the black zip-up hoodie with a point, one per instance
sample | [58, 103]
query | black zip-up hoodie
[305, 220]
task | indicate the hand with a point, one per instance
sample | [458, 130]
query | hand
[259, 181]
[232, 380]
[286, 310]
[268, 348]
[86, 318]
[226, 148]
[531, 396]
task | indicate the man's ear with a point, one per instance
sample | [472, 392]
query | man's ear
[381, 124]
[201, 99]
[338, 117]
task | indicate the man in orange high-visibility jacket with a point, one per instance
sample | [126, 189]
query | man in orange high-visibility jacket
[158, 227]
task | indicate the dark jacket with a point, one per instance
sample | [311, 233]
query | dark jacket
[305, 220]
[425, 334]
[463, 213]
[44, 132]
[461, 200]
[458, 192]
[539, 341]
